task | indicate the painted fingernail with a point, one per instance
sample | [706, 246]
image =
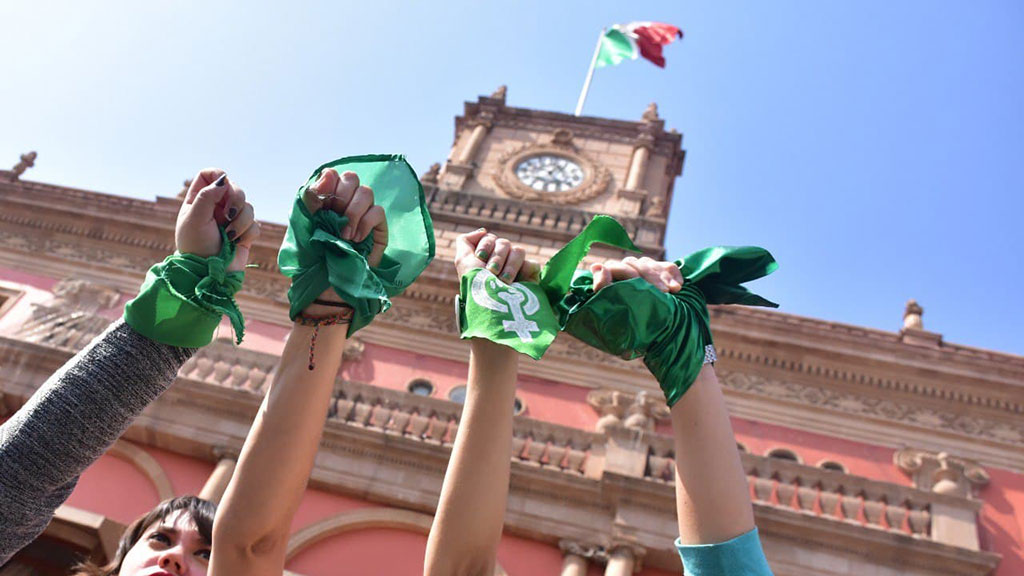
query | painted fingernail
[492, 266]
[481, 229]
[231, 234]
[232, 213]
[481, 254]
[507, 277]
[346, 234]
[220, 181]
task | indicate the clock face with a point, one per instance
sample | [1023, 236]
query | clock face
[549, 173]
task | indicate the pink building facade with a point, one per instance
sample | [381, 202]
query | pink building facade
[867, 452]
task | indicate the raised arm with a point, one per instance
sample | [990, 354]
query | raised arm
[86, 405]
[466, 531]
[253, 523]
[713, 507]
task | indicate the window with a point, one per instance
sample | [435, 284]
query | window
[832, 465]
[457, 394]
[783, 454]
[420, 387]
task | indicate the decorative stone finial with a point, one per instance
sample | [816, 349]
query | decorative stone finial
[184, 188]
[941, 473]
[500, 93]
[562, 138]
[430, 176]
[27, 161]
[912, 316]
[651, 113]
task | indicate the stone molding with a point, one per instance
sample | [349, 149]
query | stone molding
[146, 464]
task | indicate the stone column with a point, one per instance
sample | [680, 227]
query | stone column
[574, 558]
[621, 562]
[481, 125]
[638, 167]
[217, 483]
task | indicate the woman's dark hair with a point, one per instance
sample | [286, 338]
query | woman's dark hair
[200, 511]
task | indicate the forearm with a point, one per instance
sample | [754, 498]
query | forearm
[274, 466]
[712, 495]
[71, 421]
[470, 514]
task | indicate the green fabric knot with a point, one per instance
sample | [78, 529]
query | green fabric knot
[670, 331]
[629, 319]
[183, 298]
[316, 258]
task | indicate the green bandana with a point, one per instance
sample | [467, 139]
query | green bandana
[629, 319]
[633, 319]
[520, 315]
[315, 257]
[183, 298]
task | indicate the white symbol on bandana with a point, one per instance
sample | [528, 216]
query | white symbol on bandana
[514, 296]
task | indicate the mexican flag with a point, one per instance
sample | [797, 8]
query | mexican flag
[635, 39]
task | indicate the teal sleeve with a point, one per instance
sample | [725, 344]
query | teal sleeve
[741, 556]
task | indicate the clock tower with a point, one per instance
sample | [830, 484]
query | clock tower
[538, 177]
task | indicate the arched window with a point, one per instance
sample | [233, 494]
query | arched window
[420, 387]
[783, 454]
[832, 465]
[457, 394]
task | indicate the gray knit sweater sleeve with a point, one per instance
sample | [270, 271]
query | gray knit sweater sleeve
[71, 421]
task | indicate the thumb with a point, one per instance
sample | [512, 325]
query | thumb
[242, 247]
[209, 197]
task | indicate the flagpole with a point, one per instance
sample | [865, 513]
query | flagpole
[590, 74]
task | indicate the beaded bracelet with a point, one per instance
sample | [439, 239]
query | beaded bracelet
[316, 322]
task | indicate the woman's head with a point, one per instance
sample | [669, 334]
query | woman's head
[173, 538]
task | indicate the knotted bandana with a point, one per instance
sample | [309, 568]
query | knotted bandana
[183, 298]
[315, 257]
[629, 319]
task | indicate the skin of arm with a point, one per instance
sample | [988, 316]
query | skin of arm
[712, 495]
[470, 514]
[253, 523]
[85, 406]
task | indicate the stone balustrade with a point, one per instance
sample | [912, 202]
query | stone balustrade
[433, 420]
[545, 220]
[839, 496]
[223, 364]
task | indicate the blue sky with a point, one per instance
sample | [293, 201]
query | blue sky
[874, 147]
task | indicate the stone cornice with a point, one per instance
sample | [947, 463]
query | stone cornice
[624, 131]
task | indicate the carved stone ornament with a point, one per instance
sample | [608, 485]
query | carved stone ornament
[618, 410]
[941, 473]
[27, 161]
[353, 351]
[430, 176]
[595, 181]
[912, 316]
[500, 93]
[184, 188]
[651, 113]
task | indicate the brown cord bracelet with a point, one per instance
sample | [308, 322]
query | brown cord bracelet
[344, 317]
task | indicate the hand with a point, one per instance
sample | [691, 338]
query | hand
[478, 249]
[664, 275]
[213, 200]
[344, 195]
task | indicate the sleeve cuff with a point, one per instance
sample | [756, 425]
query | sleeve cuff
[740, 556]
